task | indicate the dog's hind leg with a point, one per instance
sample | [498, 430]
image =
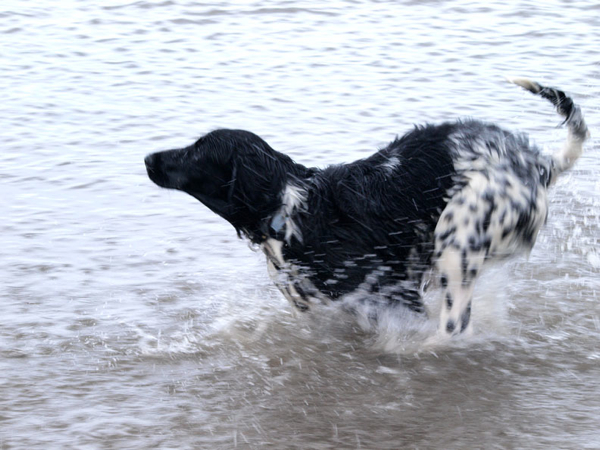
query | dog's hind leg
[463, 236]
[458, 268]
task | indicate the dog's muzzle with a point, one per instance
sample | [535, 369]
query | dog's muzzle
[162, 173]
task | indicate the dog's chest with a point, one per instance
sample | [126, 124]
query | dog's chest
[288, 278]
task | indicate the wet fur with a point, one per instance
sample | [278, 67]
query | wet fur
[447, 197]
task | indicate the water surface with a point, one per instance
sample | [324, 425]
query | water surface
[132, 317]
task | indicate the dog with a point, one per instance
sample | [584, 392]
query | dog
[441, 199]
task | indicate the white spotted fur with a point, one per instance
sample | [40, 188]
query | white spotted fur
[391, 164]
[288, 278]
[284, 274]
[458, 263]
[293, 199]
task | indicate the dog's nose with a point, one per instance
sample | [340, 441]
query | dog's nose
[149, 160]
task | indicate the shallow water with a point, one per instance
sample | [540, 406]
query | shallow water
[132, 317]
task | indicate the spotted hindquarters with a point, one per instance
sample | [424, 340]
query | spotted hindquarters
[494, 215]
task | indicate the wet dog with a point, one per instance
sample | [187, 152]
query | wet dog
[445, 197]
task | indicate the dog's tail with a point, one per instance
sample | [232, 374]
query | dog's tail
[578, 131]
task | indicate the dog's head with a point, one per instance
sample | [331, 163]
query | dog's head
[233, 172]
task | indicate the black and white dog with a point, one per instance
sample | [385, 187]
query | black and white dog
[445, 197]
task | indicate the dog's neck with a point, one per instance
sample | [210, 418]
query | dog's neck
[272, 227]
[277, 223]
[283, 224]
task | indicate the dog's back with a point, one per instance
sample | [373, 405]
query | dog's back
[375, 216]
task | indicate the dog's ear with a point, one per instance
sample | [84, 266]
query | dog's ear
[255, 186]
[232, 182]
[259, 175]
